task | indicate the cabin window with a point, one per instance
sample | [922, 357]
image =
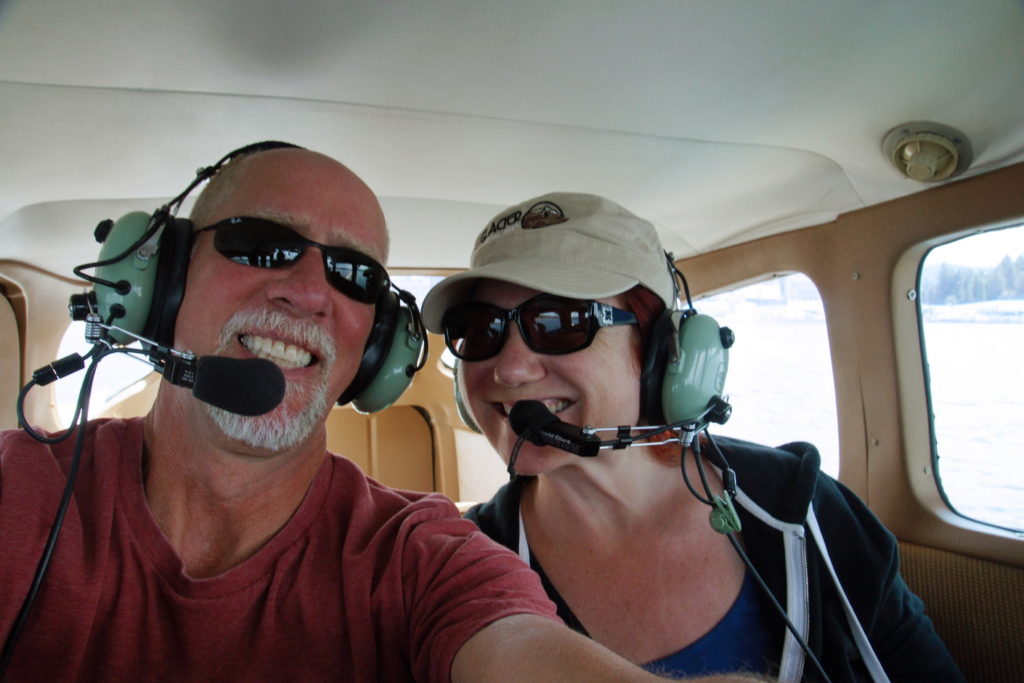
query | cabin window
[417, 285]
[780, 380]
[972, 328]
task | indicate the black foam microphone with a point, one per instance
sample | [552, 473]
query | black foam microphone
[249, 386]
[533, 421]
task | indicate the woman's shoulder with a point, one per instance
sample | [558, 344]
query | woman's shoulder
[782, 479]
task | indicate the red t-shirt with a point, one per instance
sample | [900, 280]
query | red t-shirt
[363, 583]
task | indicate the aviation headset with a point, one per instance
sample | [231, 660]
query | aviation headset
[140, 281]
[685, 361]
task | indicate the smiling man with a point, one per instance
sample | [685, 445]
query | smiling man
[204, 545]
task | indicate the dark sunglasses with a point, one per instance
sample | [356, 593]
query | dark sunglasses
[264, 243]
[548, 324]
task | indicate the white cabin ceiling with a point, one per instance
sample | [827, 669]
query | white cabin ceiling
[721, 121]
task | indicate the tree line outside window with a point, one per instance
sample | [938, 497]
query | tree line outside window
[947, 283]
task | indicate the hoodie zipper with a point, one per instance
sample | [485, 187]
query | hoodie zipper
[794, 543]
[805, 623]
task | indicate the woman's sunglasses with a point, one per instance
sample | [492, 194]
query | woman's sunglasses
[263, 243]
[548, 324]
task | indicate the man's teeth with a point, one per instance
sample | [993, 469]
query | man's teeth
[275, 350]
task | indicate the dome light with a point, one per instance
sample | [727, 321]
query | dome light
[927, 152]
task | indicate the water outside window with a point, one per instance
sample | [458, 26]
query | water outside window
[780, 369]
[972, 322]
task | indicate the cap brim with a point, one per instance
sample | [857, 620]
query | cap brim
[552, 277]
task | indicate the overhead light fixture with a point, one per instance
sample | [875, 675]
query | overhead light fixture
[928, 152]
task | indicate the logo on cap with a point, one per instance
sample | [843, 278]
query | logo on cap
[540, 215]
[543, 214]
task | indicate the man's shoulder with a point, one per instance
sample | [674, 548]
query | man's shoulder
[33, 474]
[499, 517]
[16, 444]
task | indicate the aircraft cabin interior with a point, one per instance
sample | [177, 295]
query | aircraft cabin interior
[841, 183]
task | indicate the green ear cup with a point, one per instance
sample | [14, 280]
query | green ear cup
[396, 370]
[696, 375]
[137, 273]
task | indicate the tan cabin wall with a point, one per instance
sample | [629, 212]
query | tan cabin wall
[10, 369]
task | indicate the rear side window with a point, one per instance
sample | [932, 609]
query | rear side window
[780, 380]
[971, 298]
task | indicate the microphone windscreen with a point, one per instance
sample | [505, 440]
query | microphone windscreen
[249, 386]
[532, 415]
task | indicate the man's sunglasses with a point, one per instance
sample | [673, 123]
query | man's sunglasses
[266, 244]
[548, 324]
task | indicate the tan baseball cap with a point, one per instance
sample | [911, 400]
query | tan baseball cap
[570, 244]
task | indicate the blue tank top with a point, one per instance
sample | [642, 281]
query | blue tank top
[738, 643]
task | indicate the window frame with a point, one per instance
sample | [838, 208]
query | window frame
[915, 407]
[926, 380]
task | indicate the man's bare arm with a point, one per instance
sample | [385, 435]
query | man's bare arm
[534, 649]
